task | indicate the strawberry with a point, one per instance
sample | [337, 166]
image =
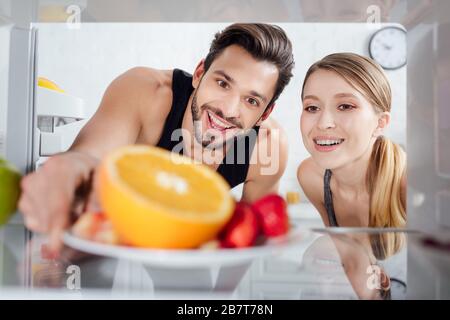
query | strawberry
[272, 215]
[95, 226]
[242, 229]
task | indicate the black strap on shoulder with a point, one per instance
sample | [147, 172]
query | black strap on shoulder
[235, 164]
[181, 92]
[328, 199]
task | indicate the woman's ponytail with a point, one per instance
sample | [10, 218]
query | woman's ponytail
[384, 183]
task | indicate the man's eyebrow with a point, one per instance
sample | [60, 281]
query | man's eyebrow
[225, 75]
[259, 95]
[231, 80]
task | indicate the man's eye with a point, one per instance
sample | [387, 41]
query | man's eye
[253, 102]
[345, 107]
[311, 109]
[223, 84]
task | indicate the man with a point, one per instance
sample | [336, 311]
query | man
[230, 96]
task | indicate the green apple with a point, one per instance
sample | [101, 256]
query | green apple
[9, 190]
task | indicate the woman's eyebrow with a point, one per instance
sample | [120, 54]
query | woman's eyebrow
[345, 95]
[313, 97]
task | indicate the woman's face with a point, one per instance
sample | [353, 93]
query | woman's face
[338, 124]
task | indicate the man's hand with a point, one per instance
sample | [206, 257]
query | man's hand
[50, 196]
[63, 185]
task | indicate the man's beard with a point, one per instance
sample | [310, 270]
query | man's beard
[208, 140]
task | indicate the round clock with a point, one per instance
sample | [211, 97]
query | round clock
[388, 47]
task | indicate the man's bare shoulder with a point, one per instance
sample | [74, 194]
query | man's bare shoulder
[146, 81]
[149, 76]
[272, 132]
[270, 123]
[148, 89]
[271, 143]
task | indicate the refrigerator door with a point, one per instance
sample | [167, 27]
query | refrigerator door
[5, 34]
[19, 138]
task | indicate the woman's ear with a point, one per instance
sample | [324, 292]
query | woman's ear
[383, 121]
[266, 114]
[198, 73]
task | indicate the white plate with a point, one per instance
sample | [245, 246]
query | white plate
[193, 257]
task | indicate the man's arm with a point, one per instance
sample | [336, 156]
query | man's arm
[267, 164]
[48, 194]
[117, 121]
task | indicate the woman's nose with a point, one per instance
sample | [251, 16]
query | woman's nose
[326, 121]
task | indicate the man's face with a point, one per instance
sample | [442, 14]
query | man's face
[231, 97]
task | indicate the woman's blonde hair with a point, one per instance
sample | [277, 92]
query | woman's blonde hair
[387, 164]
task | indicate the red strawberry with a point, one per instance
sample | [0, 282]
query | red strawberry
[95, 226]
[272, 214]
[243, 228]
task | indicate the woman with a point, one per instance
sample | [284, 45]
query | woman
[355, 176]
[347, 253]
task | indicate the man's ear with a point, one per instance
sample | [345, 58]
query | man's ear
[383, 121]
[266, 114]
[198, 73]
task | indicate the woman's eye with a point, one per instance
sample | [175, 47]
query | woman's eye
[311, 109]
[223, 84]
[253, 102]
[345, 107]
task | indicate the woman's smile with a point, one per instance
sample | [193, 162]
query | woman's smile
[327, 143]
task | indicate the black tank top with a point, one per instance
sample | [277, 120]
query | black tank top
[233, 168]
[328, 199]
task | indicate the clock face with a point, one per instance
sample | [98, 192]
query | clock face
[388, 47]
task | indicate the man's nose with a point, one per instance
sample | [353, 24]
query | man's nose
[232, 107]
[326, 120]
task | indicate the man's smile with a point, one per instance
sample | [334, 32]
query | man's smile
[218, 123]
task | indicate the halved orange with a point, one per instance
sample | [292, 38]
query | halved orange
[159, 199]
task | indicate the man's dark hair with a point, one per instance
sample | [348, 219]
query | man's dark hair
[264, 42]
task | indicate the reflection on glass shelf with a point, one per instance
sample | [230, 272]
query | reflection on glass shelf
[330, 265]
[12, 255]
